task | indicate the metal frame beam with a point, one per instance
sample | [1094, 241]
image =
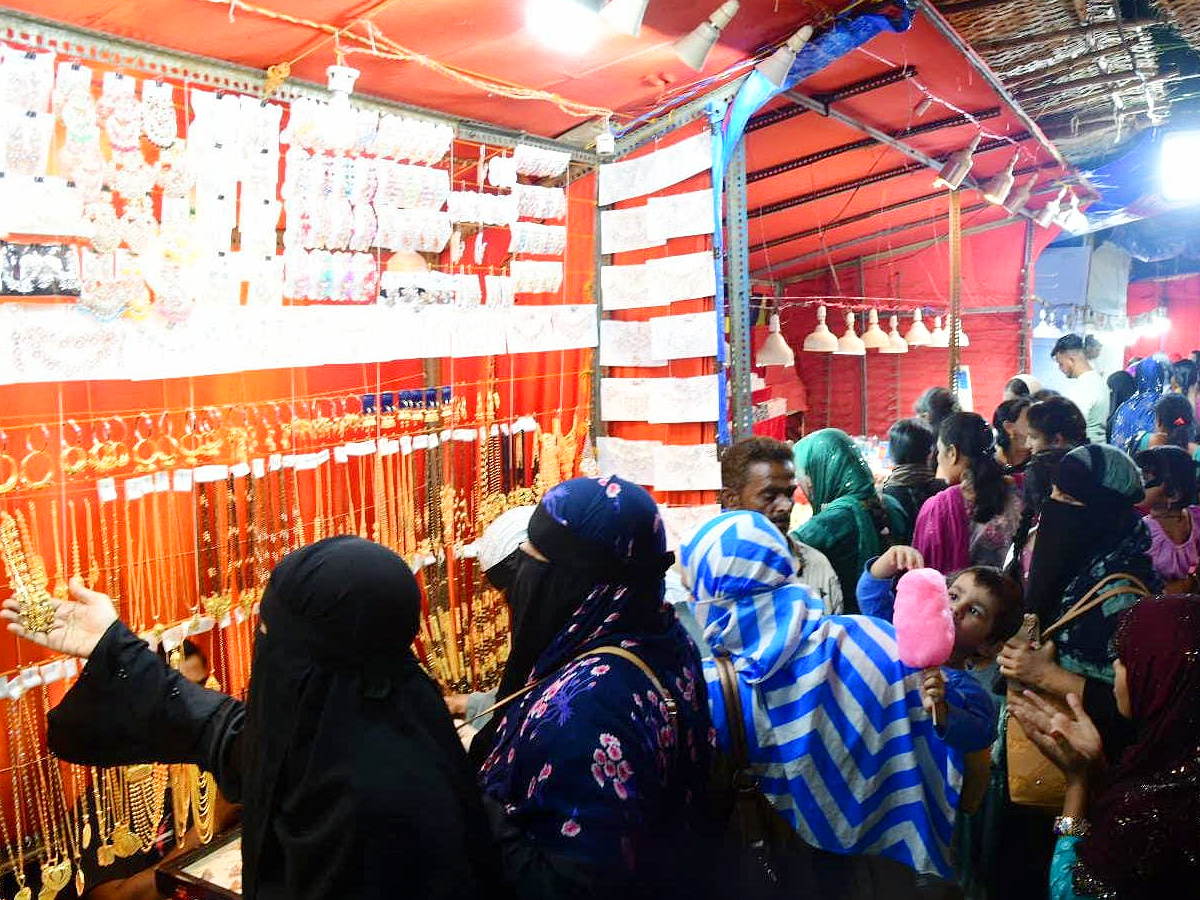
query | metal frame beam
[782, 114]
[676, 118]
[828, 153]
[938, 21]
[905, 248]
[842, 187]
[862, 217]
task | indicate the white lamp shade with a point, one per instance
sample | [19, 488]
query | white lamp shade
[918, 335]
[774, 350]
[896, 343]
[1046, 328]
[775, 68]
[693, 48]
[850, 344]
[1020, 196]
[939, 336]
[821, 340]
[957, 167]
[625, 15]
[874, 338]
[1001, 185]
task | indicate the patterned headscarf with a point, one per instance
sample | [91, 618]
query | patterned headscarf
[834, 724]
[1136, 414]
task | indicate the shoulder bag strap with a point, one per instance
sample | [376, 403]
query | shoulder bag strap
[733, 709]
[1098, 595]
[668, 697]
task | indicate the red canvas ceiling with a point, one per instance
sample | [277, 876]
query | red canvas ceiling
[631, 76]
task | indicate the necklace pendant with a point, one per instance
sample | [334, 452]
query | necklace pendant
[86, 837]
[80, 883]
[56, 876]
[124, 842]
[104, 855]
[25, 893]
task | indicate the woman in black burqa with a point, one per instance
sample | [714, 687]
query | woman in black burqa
[353, 781]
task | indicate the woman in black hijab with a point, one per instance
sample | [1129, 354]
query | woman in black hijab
[352, 779]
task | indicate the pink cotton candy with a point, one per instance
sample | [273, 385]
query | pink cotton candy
[924, 623]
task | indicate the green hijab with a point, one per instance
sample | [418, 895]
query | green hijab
[840, 485]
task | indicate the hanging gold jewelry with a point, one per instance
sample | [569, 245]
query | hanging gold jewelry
[36, 609]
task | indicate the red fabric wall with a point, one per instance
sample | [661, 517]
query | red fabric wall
[1182, 298]
[991, 263]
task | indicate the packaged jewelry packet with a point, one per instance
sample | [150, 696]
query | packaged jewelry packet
[212, 872]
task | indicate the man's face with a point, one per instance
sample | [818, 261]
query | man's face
[768, 489]
[1066, 363]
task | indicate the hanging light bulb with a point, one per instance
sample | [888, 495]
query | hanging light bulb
[939, 336]
[821, 340]
[567, 27]
[1048, 213]
[775, 68]
[922, 107]
[918, 335]
[874, 338]
[850, 344]
[1018, 198]
[625, 15]
[1045, 328]
[606, 141]
[693, 48]
[1001, 185]
[957, 167]
[896, 344]
[774, 350]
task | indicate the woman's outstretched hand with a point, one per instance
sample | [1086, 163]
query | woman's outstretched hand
[78, 625]
[1069, 740]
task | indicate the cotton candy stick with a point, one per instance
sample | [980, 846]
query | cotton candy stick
[924, 623]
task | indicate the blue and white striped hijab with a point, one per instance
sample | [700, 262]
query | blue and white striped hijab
[834, 724]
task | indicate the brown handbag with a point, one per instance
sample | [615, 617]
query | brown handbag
[1033, 780]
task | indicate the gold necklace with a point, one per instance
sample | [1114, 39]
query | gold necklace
[59, 591]
[93, 567]
[36, 609]
[104, 848]
[16, 857]
[69, 834]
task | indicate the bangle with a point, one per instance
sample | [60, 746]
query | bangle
[1071, 826]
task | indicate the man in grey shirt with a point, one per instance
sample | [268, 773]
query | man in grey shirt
[1086, 388]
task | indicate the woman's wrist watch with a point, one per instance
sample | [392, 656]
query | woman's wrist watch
[1071, 826]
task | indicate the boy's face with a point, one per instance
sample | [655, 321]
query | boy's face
[974, 611]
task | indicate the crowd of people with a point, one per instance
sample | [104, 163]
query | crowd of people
[739, 717]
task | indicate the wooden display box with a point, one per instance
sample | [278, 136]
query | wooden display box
[211, 872]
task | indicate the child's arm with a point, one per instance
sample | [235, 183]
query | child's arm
[874, 591]
[970, 721]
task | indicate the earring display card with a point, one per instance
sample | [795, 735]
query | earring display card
[684, 336]
[633, 460]
[687, 468]
[677, 400]
[627, 344]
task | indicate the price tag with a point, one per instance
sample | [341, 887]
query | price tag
[70, 667]
[30, 678]
[433, 442]
[239, 616]
[209, 474]
[226, 621]
[274, 462]
[406, 444]
[465, 435]
[288, 461]
[133, 489]
[162, 482]
[106, 489]
[239, 470]
[259, 467]
[420, 441]
[13, 689]
[339, 454]
[182, 480]
[447, 436]
[201, 625]
[504, 429]
[52, 672]
[172, 638]
[323, 457]
[495, 431]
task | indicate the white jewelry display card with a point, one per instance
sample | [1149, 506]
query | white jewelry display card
[575, 326]
[624, 287]
[622, 230]
[681, 521]
[625, 399]
[627, 344]
[631, 460]
[683, 336]
[687, 468]
[484, 336]
[676, 400]
[530, 329]
[655, 171]
[688, 276]
[680, 215]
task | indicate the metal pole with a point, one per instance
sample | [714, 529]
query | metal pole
[862, 360]
[1026, 295]
[955, 285]
[738, 295]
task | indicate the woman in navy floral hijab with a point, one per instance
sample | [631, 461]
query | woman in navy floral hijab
[595, 782]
